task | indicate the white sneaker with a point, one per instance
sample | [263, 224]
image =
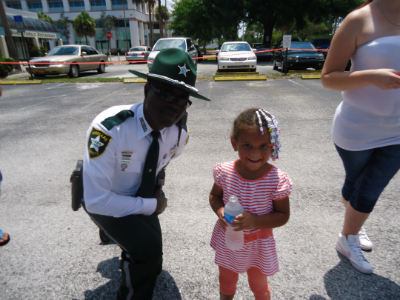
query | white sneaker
[350, 248]
[365, 242]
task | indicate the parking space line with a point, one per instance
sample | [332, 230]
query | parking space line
[101, 99]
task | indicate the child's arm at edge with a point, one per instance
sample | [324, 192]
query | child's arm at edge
[217, 204]
[277, 218]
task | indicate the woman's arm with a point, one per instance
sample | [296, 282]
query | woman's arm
[343, 46]
[277, 218]
[217, 204]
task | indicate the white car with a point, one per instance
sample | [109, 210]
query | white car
[183, 43]
[137, 53]
[236, 55]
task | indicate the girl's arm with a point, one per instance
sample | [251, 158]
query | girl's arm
[277, 218]
[344, 44]
[217, 204]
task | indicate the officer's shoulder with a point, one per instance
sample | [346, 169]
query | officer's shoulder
[114, 116]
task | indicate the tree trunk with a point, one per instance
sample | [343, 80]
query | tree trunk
[160, 19]
[9, 39]
[151, 27]
[86, 40]
[268, 24]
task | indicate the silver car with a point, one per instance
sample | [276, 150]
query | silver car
[183, 43]
[68, 59]
[137, 53]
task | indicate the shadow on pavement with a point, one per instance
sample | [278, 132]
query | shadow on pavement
[344, 282]
[166, 287]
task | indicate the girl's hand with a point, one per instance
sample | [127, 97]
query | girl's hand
[244, 221]
[386, 79]
[221, 217]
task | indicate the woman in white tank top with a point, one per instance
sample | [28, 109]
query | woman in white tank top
[366, 126]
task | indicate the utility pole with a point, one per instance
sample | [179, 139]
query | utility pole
[9, 39]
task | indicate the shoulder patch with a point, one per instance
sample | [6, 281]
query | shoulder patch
[98, 142]
[119, 118]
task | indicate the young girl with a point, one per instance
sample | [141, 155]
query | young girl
[263, 190]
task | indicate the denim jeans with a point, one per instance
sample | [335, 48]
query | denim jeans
[368, 172]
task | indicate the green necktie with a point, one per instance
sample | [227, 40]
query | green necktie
[147, 187]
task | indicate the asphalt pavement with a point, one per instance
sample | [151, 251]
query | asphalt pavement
[56, 253]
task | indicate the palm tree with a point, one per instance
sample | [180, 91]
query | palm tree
[84, 25]
[108, 25]
[42, 16]
[150, 5]
[160, 19]
[164, 16]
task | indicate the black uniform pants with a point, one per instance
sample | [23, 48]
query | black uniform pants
[140, 238]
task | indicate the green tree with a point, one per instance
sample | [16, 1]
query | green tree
[192, 18]
[84, 25]
[164, 13]
[150, 5]
[311, 30]
[63, 23]
[42, 16]
[108, 24]
[283, 14]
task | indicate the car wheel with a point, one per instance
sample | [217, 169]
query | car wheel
[39, 75]
[102, 68]
[253, 70]
[74, 71]
[275, 67]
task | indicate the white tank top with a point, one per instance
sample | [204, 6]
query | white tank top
[369, 117]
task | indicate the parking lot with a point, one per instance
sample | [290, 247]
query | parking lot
[55, 253]
[119, 68]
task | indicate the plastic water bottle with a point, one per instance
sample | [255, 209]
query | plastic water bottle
[234, 239]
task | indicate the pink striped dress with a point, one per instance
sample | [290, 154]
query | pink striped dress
[256, 197]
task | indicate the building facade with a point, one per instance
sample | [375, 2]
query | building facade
[132, 25]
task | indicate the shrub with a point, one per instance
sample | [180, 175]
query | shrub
[37, 51]
[6, 69]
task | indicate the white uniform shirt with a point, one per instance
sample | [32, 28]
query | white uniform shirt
[114, 161]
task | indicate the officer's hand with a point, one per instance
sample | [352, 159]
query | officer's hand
[161, 200]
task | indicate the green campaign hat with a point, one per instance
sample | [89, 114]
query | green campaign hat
[175, 67]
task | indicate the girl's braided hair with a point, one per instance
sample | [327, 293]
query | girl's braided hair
[257, 116]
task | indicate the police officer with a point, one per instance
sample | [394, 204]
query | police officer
[128, 146]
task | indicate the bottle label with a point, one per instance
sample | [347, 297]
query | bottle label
[229, 218]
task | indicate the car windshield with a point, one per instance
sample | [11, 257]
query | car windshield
[165, 44]
[302, 45]
[235, 47]
[64, 51]
[137, 49]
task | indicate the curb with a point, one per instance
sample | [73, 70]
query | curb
[135, 80]
[13, 82]
[311, 77]
[244, 78]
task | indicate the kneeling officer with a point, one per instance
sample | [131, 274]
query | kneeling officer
[127, 147]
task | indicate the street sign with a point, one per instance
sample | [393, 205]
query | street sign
[145, 36]
[19, 23]
[287, 41]
[109, 34]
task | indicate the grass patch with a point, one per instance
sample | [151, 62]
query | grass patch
[209, 58]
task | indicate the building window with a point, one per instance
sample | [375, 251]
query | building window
[35, 5]
[156, 26]
[77, 5]
[120, 23]
[14, 4]
[119, 4]
[56, 5]
[98, 5]
[99, 24]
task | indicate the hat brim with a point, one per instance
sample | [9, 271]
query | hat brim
[180, 85]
